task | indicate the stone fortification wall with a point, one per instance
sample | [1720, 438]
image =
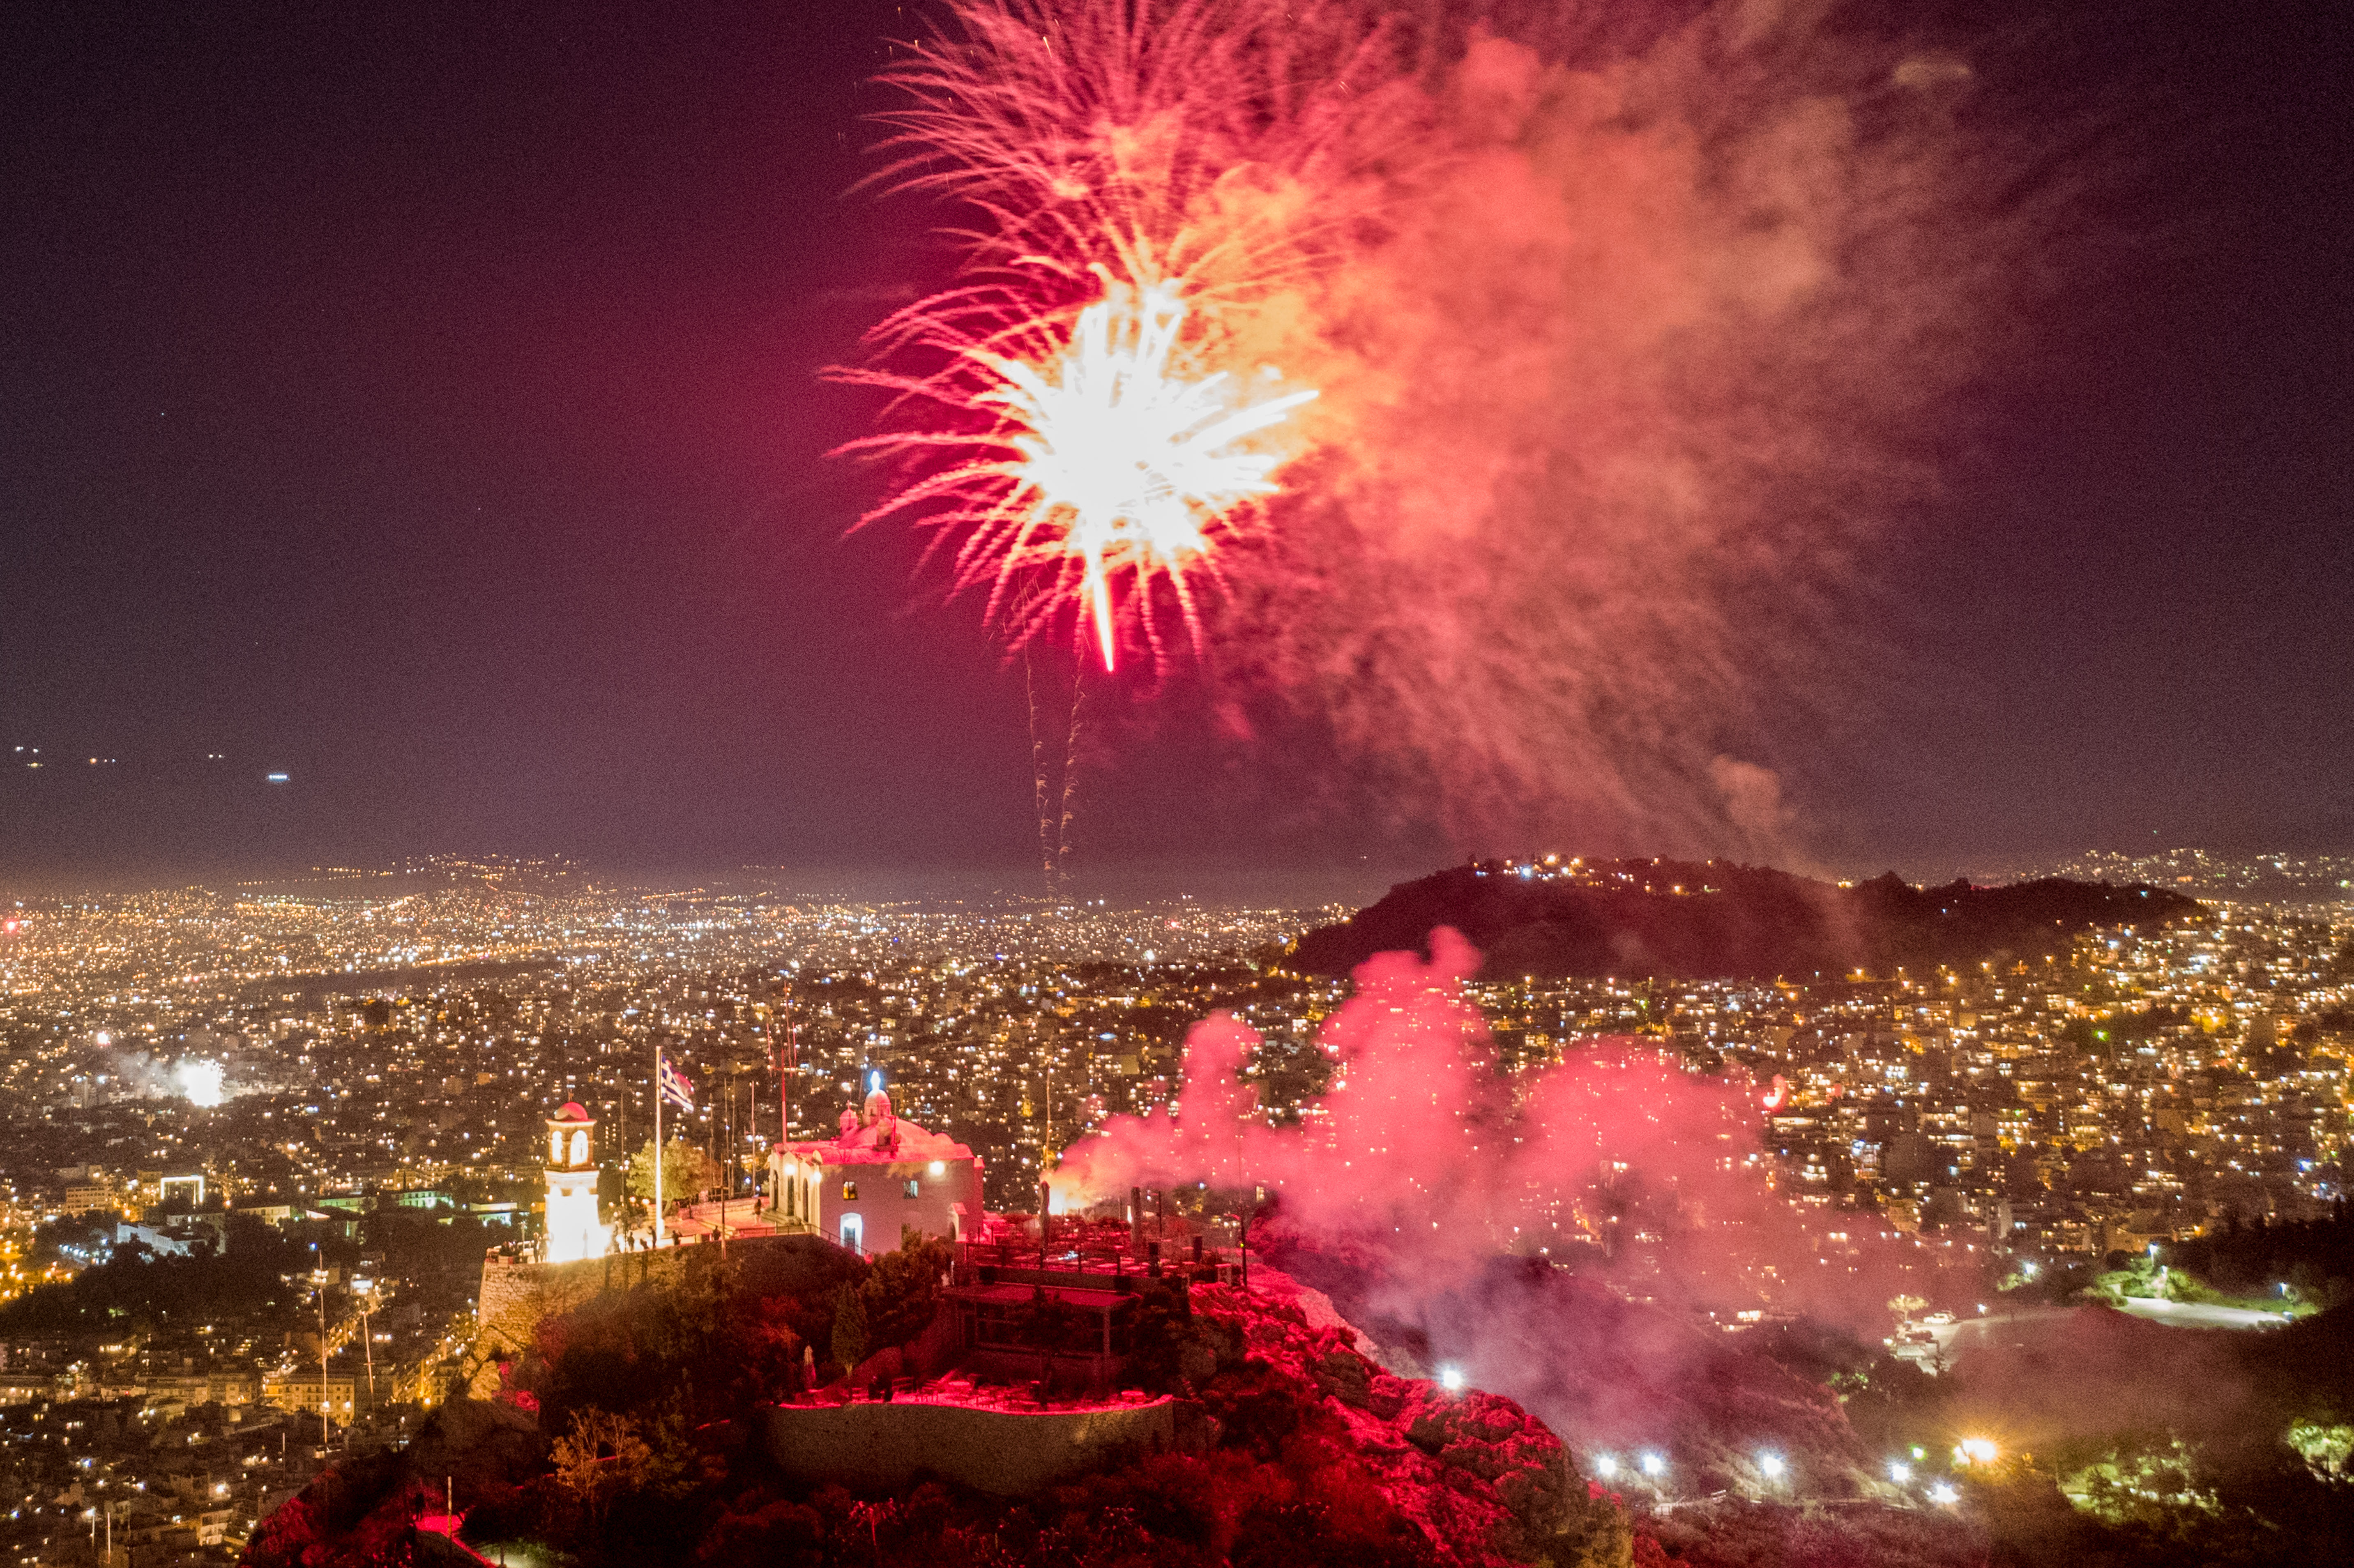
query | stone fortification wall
[515, 1294]
[1007, 1452]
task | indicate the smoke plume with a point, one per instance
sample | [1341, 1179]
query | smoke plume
[1618, 1174]
[1633, 327]
[1624, 384]
[1422, 1152]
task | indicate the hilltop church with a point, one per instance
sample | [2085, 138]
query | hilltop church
[881, 1176]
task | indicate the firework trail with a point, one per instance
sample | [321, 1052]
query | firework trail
[1048, 860]
[1515, 392]
[1054, 822]
[1070, 781]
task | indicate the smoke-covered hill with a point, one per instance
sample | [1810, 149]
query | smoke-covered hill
[1708, 919]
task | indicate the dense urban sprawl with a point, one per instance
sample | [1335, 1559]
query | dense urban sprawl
[344, 1084]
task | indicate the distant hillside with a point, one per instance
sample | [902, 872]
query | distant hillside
[1704, 919]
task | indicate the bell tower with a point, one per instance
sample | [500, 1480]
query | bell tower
[573, 1229]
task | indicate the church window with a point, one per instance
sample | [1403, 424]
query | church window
[580, 1149]
[850, 1192]
[911, 1186]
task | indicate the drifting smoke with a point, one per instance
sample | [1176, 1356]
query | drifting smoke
[1423, 1165]
[1618, 403]
[1422, 1150]
[1420, 1143]
[1631, 328]
[199, 1080]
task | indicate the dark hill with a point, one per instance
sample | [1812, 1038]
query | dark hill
[1706, 918]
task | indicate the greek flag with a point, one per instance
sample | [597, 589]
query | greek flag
[673, 1083]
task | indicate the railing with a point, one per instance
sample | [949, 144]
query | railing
[1089, 1259]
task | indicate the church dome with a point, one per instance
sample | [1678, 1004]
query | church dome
[571, 1110]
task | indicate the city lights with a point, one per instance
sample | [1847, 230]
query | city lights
[435, 1097]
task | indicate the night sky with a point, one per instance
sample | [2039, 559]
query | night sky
[423, 403]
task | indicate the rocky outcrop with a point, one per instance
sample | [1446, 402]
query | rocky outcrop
[1485, 1481]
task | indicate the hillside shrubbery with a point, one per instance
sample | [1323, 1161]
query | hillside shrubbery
[1299, 1451]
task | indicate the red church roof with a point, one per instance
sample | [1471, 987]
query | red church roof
[570, 1110]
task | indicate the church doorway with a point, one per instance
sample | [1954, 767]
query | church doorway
[854, 1232]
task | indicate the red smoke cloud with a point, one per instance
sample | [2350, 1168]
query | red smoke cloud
[1423, 1165]
[1422, 1146]
[1424, 1159]
[1622, 389]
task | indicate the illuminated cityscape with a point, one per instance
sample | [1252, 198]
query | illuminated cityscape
[380, 1063]
[1210, 783]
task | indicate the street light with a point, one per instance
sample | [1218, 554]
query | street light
[366, 1290]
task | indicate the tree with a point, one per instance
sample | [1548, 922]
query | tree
[902, 1293]
[1904, 1306]
[849, 1347]
[1159, 1333]
[687, 1171]
[600, 1456]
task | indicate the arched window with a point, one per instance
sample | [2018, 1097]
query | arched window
[580, 1147]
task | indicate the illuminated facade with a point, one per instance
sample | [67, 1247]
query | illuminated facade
[880, 1178]
[574, 1228]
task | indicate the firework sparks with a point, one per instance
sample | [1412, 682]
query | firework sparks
[1118, 461]
[1104, 463]
[1088, 421]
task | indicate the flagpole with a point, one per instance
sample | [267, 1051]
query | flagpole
[784, 1101]
[658, 1100]
[784, 1078]
[785, 1092]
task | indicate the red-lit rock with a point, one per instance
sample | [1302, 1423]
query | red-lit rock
[1479, 1476]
